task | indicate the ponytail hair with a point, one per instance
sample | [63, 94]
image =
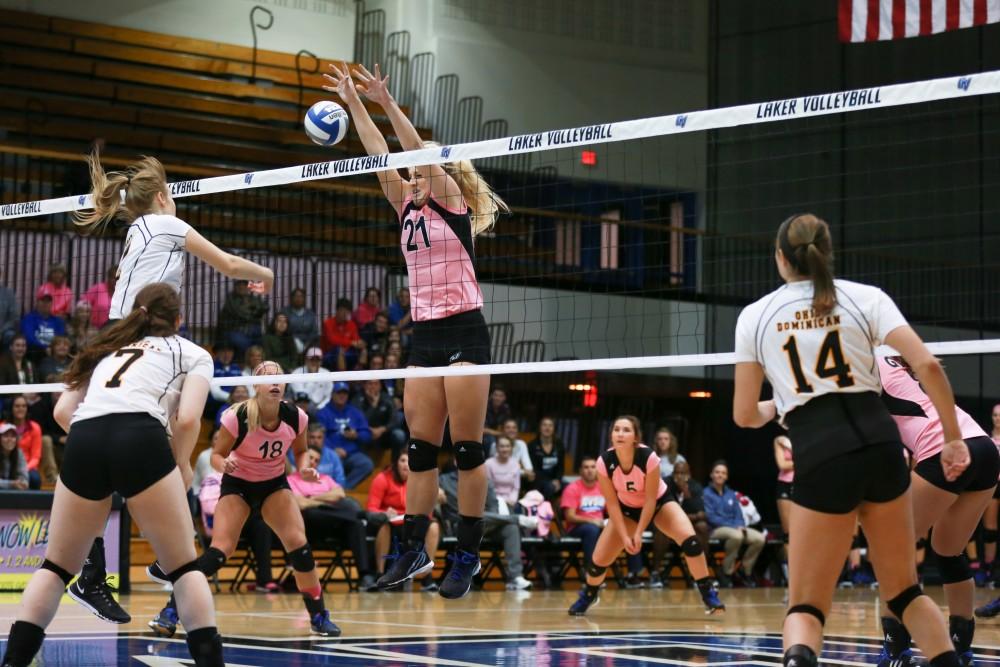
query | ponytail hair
[484, 204]
[805, 241]
[141, 182]
[155, 312]
[251, 406]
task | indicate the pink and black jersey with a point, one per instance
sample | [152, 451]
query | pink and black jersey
[437, 245]
[918, 422]
[631, 486]
[261, 453]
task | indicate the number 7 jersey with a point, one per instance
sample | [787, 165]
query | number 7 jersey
[144, 376]
[805, 354]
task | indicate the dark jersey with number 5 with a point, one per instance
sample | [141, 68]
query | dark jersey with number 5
[437, 245]
[260, 454]
[806, 355]
[144, 377]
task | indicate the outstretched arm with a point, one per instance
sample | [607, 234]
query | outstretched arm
[373, 141]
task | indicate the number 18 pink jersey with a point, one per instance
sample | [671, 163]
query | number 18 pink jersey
[262, 454]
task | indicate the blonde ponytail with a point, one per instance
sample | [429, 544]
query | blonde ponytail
[141, 182]
[484, 204]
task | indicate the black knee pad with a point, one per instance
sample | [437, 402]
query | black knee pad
[898, 604]
[61, 573]
[211, 561]
[807, 609]
[954, 568]
[596, 570]
[990, 536]
[423, 456]
[800, 655]
[302, 559]
[193, 566]
[469, 455]
[692, 547]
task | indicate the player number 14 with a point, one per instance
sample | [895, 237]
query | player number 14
[830, 363]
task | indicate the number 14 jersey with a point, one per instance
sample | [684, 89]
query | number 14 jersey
[805, 354]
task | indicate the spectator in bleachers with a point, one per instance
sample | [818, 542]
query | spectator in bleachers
[10, 317]
[583, 507]
[505, 472]
[342, 344]
[327, 511]
[510, 431]
[496, 524]
[241, 319]
[725, 519]
[376, 361]
[53, 436]
[548, 458]
[29, 439]
[279, 344]
[346, 433]
[15, 366]
[55, 286]
[385, 421]
[236, 395]
[51, 368]
[318, 392]
[303, 323]
[225, 367]
[329, 462]
[376, 334]
[690, 496]
[13, 467]
[399, 311]
[393, 387]
[387, 503]
[497, 412]
[80, 328]
[253, 358]
[666, 447]
[395, 348]
[369, 307]
[395, 336]
[99, 296]
[40, 326]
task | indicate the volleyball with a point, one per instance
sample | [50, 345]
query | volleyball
[326, 123]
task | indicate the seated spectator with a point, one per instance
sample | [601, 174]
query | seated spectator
[327, 511]
[99, 296]
[497, 412]
[666, 446]
[548, 458]
[376, 334]
[395, 348]
[10, 317]
[29, 434]
[583, 507]
[237, 394]
[376, 361]
[386, 508]
[725, 519]
[329, 462]
[51, 368]
[40, 326]
[253, 358]
[80, 327]
[53, 436]
[505, 472]
[393, 387]
[318, 392]
[368, 308]
[510, 431]
[13, 467]
[279, 344]
[225, 367]
[346, 433]
[15, 366]
[399, 311]
[241, 317]
[55, 286]
[303, 323]
[496, 524]
[342, 344]
[689, 495]
[385, 421]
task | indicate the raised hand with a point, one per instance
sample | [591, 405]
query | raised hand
[341, 83]
[374, 86]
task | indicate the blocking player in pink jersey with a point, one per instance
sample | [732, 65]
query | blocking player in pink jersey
[629, 477]
[951, 509]
[441, 209]
[250, 450]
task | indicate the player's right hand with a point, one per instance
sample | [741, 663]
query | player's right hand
[954, 459]
[231, 465]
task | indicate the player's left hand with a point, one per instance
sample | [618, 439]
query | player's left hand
[373, 86]
[309, 474]
[954, 459]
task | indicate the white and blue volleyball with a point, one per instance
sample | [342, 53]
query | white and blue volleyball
[326, 123]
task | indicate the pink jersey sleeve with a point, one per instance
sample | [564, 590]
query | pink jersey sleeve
[653, 463]
[602, 470]
[303, 421]
[230, 423]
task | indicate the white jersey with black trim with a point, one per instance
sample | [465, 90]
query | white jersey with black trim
[145, 376]
[806, 355]
[154, 253]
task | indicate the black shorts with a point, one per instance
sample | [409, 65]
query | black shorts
[783, 490]
[874, 474]
[450, 340]
[253, 493]
[125, 453]
[635, 513]
[981, 474]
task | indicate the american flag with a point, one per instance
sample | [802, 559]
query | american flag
[872, 20]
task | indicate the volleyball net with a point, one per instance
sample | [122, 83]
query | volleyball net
[630, 246]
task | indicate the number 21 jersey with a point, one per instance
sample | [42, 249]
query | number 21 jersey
[805, 354]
